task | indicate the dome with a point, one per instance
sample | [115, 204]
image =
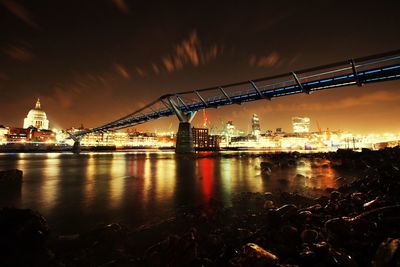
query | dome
[36, 118]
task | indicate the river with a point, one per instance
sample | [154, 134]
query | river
[78, 192]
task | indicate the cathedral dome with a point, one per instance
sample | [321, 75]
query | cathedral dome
[37, 118]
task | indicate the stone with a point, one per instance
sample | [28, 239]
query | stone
[388, 253]
[252, 254]
[309, 236]
[269, 204]
[10, 177]
[335, 195]
[23, 236]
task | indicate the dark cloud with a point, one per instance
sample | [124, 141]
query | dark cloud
[20, 12]
[122, 6]
[18, 53]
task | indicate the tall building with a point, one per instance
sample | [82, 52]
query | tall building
[255, 125]
[37, 118]
[203, 141]
[200, 137]
[301, 124]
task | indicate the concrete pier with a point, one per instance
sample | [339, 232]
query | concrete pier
[77, 147]
[184, 139]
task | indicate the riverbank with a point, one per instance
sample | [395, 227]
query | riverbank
[354, 225]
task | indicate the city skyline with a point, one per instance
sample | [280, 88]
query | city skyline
[122, 59]
[203, 121]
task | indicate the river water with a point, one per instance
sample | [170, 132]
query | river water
[77, 192]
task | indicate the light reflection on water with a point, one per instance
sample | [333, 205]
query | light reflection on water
[75, 192]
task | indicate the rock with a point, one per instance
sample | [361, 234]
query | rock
[340, 258]
[23, 236]
[10, 177]
[388, 254]
[335, 195]
[309, 236]
[375, 203]
[105, 244]
[268, 196]
[253, 255]
[305, 216]
[287, 211]
[269, 204]
[266, 165]
[290, 234]
[266, 171]
[174, 251]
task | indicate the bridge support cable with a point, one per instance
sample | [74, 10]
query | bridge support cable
[165, 104]
[183, 103]
[258, 91]
[306, 91]
[182, 115]
[201, 98]
[355, 73]
[225, 94]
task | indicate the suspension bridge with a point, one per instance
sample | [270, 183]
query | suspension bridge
[184, 105]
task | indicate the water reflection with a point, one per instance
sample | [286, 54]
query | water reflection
[90, 182]
[137, 187]
[117, 179]
[206, 173]
[51, 174]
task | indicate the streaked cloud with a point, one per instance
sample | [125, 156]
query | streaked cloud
[168, 64]
[122, 71]
[267, 61]
[155, 68]
[141, 72]
[19, 53]
[81, 88]
[20, 12]
[122, 6]
[3, 76]
[189, 52]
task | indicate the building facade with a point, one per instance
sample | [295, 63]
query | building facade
[301, 125]
[255, 126]
[36, 118]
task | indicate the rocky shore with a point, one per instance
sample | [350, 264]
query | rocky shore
[357, 224]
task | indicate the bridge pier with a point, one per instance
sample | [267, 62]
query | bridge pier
[184, 137]
[76, 149]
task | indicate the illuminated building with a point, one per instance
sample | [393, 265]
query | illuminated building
[3, 134]
[36, 118]
[44, 136]
[301, 124]
[98, 139]
[200, 137]
[31, 134]
[255, 126]
[203, 141]
[19, 135]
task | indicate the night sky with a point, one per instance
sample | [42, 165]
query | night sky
[91, 62]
